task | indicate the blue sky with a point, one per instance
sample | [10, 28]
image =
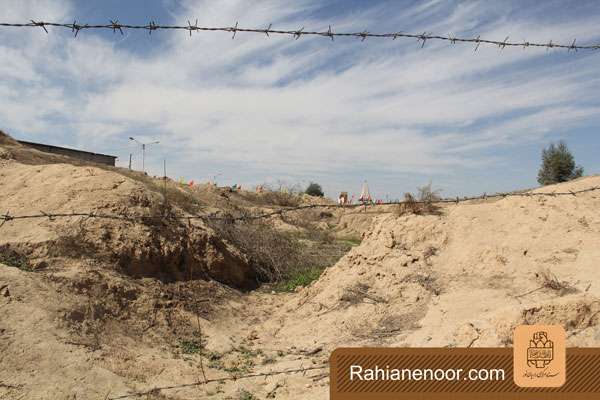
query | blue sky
[258, 109]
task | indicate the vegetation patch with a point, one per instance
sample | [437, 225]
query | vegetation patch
[190, 346]
[14, 259]
[245, 395]
[299, 278]
[350, 241]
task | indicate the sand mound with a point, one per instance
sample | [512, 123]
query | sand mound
[463, 278]
[171, 250]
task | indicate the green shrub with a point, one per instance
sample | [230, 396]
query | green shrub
[314, 189]
[558, 165]
[299, 278]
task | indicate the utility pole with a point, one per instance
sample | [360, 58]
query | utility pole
[165, 180]
[143, 151]
[130, 161]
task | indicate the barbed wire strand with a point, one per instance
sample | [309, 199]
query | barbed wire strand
[227, 378]
[422, 38]
[232, 219]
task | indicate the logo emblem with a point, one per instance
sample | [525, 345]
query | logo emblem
[541, 350]
[540, 356]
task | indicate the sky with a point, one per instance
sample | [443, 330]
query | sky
[275, 110]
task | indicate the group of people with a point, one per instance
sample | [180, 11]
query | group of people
[365, 197]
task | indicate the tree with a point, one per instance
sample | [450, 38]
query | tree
[558, 165]
[314, 189]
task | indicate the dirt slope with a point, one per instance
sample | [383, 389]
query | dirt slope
[463, 278]
[168, 250]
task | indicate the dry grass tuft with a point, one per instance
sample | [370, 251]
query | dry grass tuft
[424, 203]
[550, 281]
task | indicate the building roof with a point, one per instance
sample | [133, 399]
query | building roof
[64, 148]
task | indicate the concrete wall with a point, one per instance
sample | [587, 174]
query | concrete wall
[82, 155]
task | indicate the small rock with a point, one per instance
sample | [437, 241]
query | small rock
[271, 388]
[313, 351]
[41, 265]
[404, 260]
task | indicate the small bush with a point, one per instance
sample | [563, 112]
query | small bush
[281, 199]
[314, 189]
[558, 165]
[271, 198]
[422, 204]
[272, 254]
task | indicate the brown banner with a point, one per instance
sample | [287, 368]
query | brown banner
[434, 373]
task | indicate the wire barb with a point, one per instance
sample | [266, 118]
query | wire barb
[573, 47]
[115, 25]
[330, 33]
[298, 33]
[192, 27]
[268, 30]
[5, 218]
[41, 24]
[478, 41]
[234, 30]
[152, 27]
[423, 38]
[75, 28]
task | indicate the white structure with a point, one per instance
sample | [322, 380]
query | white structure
[365, 196]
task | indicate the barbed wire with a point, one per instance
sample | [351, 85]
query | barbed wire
[222, 379]
[422, 38]
[6, 217]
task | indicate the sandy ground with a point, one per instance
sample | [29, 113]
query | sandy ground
[463, 278]
[81, 328]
